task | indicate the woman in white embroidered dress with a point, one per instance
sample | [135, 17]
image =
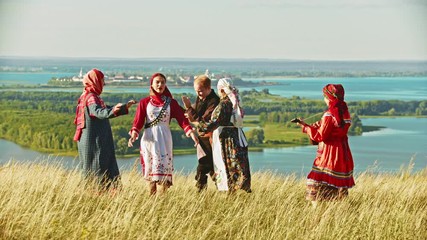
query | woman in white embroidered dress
[154, 114]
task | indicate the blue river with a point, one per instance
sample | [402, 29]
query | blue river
[403, 141]
[357, 89]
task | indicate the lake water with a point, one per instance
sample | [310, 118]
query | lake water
[387, 149]
[357, 89]
[39, 78]
[380, 151]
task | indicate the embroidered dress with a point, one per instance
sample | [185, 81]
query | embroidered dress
[156, 141]
[156, 146]
[332, 172]
[333, 164]
[230, 150]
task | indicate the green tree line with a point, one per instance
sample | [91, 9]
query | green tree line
[258, 102]
[43, 121]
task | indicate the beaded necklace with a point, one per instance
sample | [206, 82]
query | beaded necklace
[161, 114]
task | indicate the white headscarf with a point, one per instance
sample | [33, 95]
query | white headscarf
[232, 93]
[238, 114]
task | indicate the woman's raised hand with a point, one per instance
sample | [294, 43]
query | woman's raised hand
[117, 107]
[130, 103]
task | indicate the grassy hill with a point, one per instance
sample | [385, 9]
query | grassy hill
[43, 202]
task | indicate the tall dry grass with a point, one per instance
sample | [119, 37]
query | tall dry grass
[47, 202]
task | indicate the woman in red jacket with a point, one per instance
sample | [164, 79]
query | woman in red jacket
[153, 116]
[332, 173]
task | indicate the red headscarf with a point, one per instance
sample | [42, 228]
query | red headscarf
[337, 106]
[93, 82]
[157, 97]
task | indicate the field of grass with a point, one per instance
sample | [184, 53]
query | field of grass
[46, 202]
[280, 133]
[277, 134]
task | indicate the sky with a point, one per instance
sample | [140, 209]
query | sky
[236, 29]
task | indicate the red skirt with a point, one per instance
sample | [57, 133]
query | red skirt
[333, 165]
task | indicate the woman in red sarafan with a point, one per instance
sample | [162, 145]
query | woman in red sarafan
[332, 173]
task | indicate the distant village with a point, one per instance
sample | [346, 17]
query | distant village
[121, 79]
[172, 79]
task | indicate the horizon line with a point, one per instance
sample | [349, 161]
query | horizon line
[213, 59]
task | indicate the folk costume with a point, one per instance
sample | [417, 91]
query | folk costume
[93, 131]
[332, 171]
[229, 144]
[201, 111]
[153, 115]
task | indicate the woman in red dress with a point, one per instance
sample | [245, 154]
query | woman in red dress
[332, 173]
